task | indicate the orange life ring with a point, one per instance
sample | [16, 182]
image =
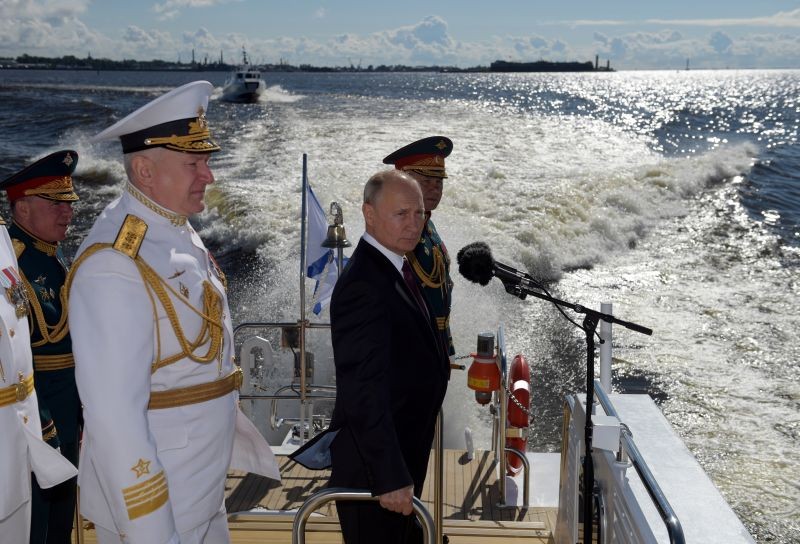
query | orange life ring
[519, 379]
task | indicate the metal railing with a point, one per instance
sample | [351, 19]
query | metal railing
[343, 494]
[305, 389]
[526, 469]
[674, 529]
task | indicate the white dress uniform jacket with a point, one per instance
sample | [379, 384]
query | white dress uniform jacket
[21, 445]
[147, 474]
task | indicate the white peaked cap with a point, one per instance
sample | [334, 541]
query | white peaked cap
[175, 120]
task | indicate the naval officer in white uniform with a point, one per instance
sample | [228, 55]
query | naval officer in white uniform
[153, 343]
[21, 446]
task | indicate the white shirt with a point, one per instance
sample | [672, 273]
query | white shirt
[394, 258]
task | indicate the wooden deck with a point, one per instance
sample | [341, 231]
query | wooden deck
[261, 509]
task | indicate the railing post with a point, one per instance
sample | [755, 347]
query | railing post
[302, 322]
[526, 469]
[342, 494]
[78, 517]
[438, 476]
[605, 348]
[503, 411]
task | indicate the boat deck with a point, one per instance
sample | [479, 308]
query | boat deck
[261, 509]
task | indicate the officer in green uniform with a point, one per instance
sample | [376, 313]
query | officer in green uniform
[424, 161]
[41, 198]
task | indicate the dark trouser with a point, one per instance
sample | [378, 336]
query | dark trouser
[369, 523]
[53, 510]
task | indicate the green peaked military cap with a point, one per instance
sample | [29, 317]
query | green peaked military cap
[425, 156]
[49, 177]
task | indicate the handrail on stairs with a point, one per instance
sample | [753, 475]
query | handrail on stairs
[343, 494]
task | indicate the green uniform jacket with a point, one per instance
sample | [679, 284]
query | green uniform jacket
[431, 265]
[43, 271]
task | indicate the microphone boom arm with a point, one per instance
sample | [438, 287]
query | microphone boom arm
[475, 263]
[521, 285]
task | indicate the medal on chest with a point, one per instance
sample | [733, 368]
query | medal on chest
[218, 272]
[15, 292]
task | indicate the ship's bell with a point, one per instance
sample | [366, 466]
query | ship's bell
[336, 237]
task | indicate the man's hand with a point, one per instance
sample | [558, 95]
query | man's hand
[399, 500]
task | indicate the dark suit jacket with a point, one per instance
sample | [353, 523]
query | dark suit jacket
[391, 378]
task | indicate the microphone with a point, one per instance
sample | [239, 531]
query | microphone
[475, 263]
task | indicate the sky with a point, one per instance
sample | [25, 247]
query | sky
[630, 34]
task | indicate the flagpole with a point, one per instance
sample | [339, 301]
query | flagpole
[303, 216]
[302, 324]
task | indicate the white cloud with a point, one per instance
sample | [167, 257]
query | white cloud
[425, 43]
[670, 49]
[590, 22]
[42, 9]
[45, 28]
[171, 8]
[429, 42]
[530, 48]
[782, 19]
[177, 4]
[720, 42]
[320, 13]
[146, 44]
[432, 30]
[51, 28]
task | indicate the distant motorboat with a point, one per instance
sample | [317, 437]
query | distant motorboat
[243, 84]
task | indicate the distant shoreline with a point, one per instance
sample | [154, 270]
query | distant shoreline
[27, 62]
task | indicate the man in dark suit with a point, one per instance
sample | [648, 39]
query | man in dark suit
[391, 368]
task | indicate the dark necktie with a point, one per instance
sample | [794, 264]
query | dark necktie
[411, 282]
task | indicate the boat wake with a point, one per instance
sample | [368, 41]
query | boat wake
[276, 93]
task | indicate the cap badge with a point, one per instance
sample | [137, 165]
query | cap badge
[441, 144]
[68, 159]
[201, 125]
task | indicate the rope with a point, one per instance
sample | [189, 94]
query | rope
[438, 274]
[50, 334]
[211, 315]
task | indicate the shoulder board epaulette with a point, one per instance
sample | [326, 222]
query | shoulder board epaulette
[19, 246]
[130, 236]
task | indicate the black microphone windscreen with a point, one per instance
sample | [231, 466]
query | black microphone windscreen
[475, 262]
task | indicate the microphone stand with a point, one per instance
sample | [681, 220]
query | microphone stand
[522, 285]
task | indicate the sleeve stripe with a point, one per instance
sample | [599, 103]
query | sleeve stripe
[146, 497]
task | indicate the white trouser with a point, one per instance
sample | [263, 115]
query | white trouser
[214, 531]
[16, 528]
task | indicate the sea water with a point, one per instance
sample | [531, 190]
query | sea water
[673, 195]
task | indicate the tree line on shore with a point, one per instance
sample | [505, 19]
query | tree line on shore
[71, 62]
